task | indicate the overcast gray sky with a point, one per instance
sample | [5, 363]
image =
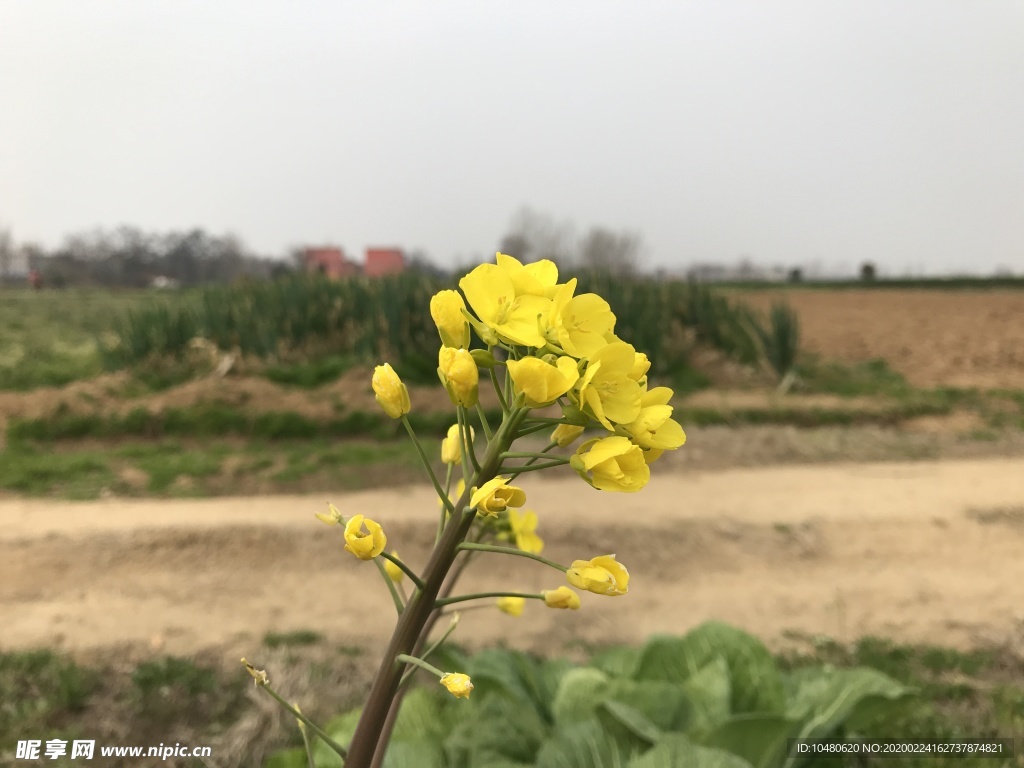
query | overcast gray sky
[786, 131]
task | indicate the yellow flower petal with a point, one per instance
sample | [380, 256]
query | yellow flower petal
[367, 544]
[612, 464]
[460, 376]
[390, 392]
[447, 310]
[602, 575]
[563, 597]
[458, 684]
[542, 382]
[496, 496]
[513, 606]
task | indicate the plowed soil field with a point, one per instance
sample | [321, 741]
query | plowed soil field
[934, 338]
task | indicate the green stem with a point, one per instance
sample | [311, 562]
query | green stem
[483, 420]
[444, 508]
[463, 450]
[309, 723]
[426, 463]
[481, 595]
[497, 391]
[534, 428]
[517, 471]
[399, 605]
[469, 440]
[469, 546]
[407, 659]
[525, 455]
[308, 745]
[369, 733]
[405, 569]
[437, 644]
[550, 446]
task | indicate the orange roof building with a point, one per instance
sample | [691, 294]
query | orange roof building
[329, 262]
[384, 261]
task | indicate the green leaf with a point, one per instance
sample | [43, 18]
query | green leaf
[617, 661]
[519, 675]
[588, 744]
[825, 698]
[756, 685]
[710, 692]
[425, 715]
[341, 729]
[761, 740]
[675, 751]
[502, 727]
[418, 753]
[615, 715]
[287, 758]
[579, 693]
[666, 705]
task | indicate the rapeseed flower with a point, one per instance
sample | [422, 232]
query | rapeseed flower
[602, 575]
[451, 451]
[448, 311]
[654, 430]
[565, 434]
[541, 381]
[563, 597]
[394, 573]
[492, 294]
[607, 390]
[612, 464]
[524, 531]
[538, 278]
[460, 376]
[513, 606]
[496, 496]
[367, 544]
[458, 684]
[579, 324]
[390, 392]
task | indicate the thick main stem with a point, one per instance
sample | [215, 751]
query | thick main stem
[420, 606]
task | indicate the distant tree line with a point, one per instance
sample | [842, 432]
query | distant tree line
[128, 257]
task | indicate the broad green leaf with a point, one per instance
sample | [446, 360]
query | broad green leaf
[288, 758]
[675, 751]
[761, 740]
[755, 681]
[589, 744]
[427, 715]
[519, 675]
[824, 697]
[615, 715]
[340, 729]
[666, 705]
[709, 691]
[617, 661]
[499, 726]
[579, 693]
[418, 753]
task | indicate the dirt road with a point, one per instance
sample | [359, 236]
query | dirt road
[928, 552]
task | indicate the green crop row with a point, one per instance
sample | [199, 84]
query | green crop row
[302, 318]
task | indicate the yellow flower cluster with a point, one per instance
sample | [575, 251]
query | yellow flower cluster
[559, 345]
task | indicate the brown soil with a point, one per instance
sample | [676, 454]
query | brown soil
[918, 552]
[950, 338]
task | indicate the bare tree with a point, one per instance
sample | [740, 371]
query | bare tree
[605, 251]
[6, 254]
[533, 236]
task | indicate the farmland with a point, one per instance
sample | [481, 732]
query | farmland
[875, 501]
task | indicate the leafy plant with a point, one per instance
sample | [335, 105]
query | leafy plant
[714, 697]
